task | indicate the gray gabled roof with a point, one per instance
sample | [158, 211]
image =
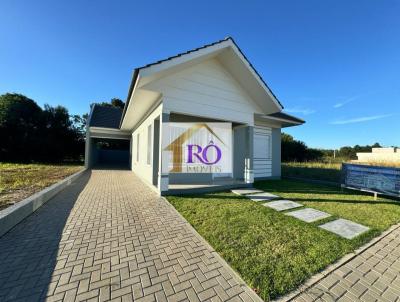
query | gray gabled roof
[136, 70]
[105, 116]
[112, 117]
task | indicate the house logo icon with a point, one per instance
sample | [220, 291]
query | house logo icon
[196, 153]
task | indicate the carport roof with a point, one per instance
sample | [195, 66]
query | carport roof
[105, 116]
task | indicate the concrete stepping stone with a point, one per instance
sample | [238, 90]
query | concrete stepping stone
[282, 205]
[245, 191]
[345, 228]
[308, 215]
[262, 196]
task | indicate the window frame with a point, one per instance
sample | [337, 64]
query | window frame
[149, 144]
[137, 147]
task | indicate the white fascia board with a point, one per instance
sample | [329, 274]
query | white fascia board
[94, 130]
[201, 53]
[283, 122]
[249, 122]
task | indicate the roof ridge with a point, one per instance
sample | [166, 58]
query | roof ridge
[185, 52]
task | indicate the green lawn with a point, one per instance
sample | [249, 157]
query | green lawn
[18, 181]
[274, 253]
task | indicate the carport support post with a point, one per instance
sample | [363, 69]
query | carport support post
[249, 158]
[163, 177]
[87, 149]
[276, 153]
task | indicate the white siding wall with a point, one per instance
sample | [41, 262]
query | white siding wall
[141, 167]
[262, 164]
[206, 89]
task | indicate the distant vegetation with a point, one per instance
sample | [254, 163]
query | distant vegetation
[29, 133]
[300, 161]
[297, 151]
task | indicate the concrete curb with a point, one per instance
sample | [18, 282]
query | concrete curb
[345, 259]
[14, 214]
[221, 260]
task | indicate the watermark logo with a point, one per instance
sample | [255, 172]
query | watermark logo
[197, 148]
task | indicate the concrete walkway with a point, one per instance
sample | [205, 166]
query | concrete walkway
[373, 275]
[109, 237]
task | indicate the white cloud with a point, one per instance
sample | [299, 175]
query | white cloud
[303, 111]
[346, 101]
[360, 119]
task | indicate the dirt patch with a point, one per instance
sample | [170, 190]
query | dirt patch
[19, 181]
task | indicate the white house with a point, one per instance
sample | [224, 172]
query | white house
[213, 83]
[380, 155]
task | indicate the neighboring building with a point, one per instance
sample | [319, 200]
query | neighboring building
[213, 83]
[389, 155]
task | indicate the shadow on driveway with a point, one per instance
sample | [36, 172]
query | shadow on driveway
[28, 252]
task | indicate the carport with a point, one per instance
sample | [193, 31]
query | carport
[106, 145]
[107, 152]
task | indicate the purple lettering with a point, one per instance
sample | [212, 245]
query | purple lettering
[191, 154]
[204, 155]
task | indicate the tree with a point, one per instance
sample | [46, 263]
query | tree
[115, 102]
[79, 122]
[28, 133]
[295, 150]
[62, 137]
[20, 121]
[292, 150]
[348, 152]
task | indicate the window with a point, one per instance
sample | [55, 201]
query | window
[137, 147]
[149, 145]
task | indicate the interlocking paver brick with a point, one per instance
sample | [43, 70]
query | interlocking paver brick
[207, 294]
[108, 237]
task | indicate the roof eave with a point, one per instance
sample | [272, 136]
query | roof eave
[283, 121]
[131, 88]
[274, 97]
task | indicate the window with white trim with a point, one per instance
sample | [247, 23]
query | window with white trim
[137, 147]
[149, 144]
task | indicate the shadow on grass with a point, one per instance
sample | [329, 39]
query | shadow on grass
[358, 202]
[28, 254]
[233, 197]
[323, 174]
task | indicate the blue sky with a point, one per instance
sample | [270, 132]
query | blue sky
[335, 64]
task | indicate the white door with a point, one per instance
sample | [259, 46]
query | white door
[262, 152]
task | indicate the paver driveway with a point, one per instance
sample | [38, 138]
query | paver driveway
[109, 237]
[373, 275]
